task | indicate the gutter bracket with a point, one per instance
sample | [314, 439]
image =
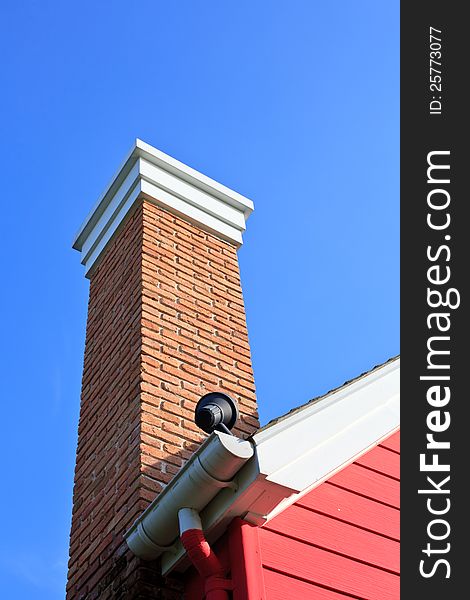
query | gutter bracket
[226, 484]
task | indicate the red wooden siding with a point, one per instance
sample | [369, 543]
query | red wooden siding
[341, 539]
[392, 443]
[326, 569]
[281, 587]
[368, 484]
[349, 507]
[381, 460]
[337, 536]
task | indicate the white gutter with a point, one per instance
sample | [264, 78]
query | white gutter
[208, 471]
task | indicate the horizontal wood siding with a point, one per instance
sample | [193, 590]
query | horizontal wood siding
[347, 506]
[326, 569]
[392, 442]
[337, 536]
[383, 461]
[369, 484]
[342, 539]
[280, 587]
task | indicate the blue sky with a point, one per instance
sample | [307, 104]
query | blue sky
[293, 104]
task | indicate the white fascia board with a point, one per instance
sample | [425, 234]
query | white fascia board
[151, 174]
[305, 446]
[300, 451]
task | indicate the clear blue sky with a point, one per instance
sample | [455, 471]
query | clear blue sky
[293, 104]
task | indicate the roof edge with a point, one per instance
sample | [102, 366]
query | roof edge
[295, 455]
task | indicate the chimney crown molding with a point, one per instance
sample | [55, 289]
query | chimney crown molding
[151, 174]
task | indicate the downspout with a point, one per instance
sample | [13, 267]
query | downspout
[202, 556]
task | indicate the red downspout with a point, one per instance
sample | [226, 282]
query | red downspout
[203, 557]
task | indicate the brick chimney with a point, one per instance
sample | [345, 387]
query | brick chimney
[166, 324]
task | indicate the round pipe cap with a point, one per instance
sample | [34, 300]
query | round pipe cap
[216, 411]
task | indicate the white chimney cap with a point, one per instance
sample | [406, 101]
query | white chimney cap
[151, 174]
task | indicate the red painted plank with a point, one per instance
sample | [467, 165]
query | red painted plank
[326, 568]
[370, 484]
[381, 459]
[281, 587]
[392, 442]
[330, 534]
[350, 507]
[245, 561]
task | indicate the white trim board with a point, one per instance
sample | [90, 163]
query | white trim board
[305, 446]
[151, 174]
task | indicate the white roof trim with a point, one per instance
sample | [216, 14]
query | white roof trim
[303, 449]
[151, 174]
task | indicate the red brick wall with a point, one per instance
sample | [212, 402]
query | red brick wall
[166, 324]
